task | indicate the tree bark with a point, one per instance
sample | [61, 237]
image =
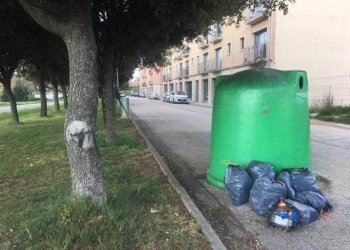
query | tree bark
[12, 98]
[103, 106]
[42, 91]
[55, 96]
[80, 124]
[65, 97]
[108, 90]
[83, 153]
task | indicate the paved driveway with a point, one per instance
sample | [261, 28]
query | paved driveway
[185, 130]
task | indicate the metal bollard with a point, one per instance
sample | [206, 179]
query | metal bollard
[124, 107]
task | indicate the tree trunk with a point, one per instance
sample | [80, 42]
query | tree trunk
[73, 23]
[80, 125]
[12, 98]
[103, 106]
[42, 90]
[65, 97]
[108, 89]
[55, 96]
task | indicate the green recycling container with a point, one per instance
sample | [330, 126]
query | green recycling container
[259, 114]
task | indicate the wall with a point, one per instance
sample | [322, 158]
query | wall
[150, 80]
[315, 37]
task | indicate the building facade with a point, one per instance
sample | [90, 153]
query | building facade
[313, 36]
[149, 80]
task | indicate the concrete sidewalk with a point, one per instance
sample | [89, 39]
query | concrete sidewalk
[185, 130]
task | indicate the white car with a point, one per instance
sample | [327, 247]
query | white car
[178, 97]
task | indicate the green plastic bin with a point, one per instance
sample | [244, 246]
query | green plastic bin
[260, 114]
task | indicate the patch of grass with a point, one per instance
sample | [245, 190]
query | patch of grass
[339, 114]
[36, 209]
[336, 110]
[29, 115]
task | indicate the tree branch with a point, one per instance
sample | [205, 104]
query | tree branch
[51, 16]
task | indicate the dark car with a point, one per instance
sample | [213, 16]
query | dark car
[138, 93]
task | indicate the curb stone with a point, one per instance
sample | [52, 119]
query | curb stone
[209, 232]
[331, 124]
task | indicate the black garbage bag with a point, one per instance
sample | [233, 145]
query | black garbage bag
[258, 169]
[315, 200]
[286, 214]
[265, 192]
[304, 180]
[238, 183]
[287, 180]
[307, 214]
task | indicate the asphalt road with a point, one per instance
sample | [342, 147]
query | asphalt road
[185, 131]
[23, 107]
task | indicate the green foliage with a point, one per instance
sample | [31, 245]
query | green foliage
[21, 93]
[15, 30]
[31, 98]
[28, 48]
[334, 110]
[339, 114]
[4, 97]
[37, 213]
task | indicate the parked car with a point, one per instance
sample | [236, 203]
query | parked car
[138, 93]
[135, 93]
[153, 96]
[141, 94]
[166, 97]
[178, 97]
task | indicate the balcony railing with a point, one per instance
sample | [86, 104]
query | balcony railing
[167, 76]
[178, 74]
[185, 72]
[216, 35]
[255, 16]
[202, 42]
[215, 65]
[203, 67]
[253, 52]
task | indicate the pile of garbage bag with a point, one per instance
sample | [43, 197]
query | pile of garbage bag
[289, 200]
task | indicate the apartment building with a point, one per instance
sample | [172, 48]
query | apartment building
[314, 36]
[149, 80]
